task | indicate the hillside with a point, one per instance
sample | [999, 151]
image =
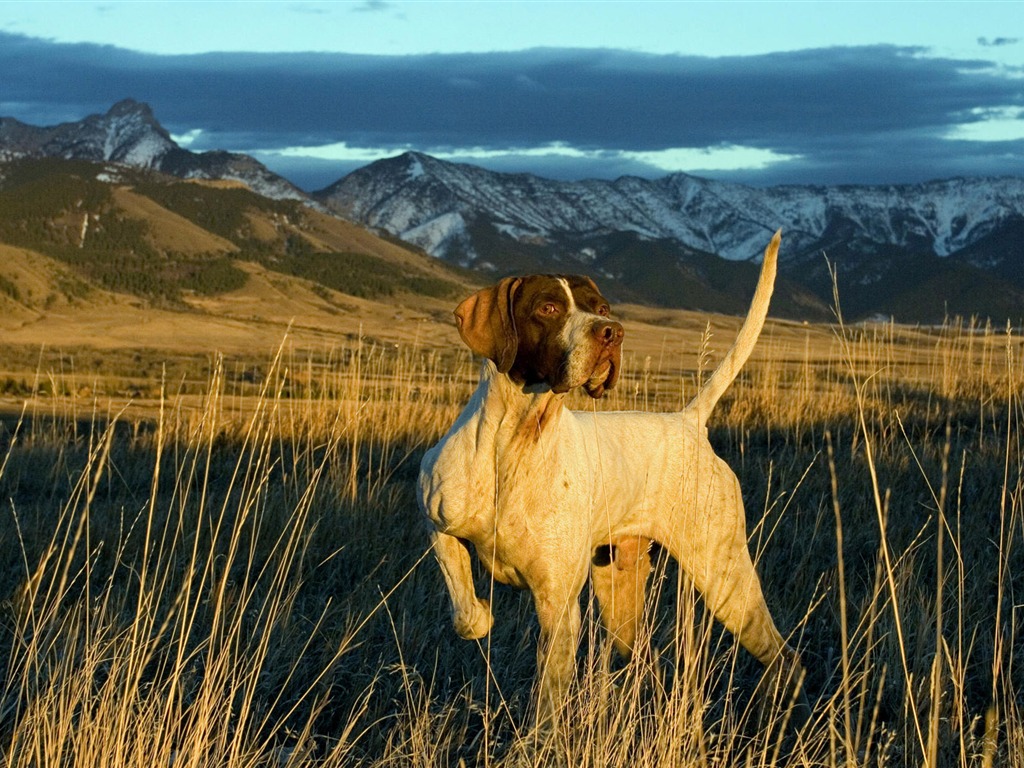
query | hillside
[103, 255]
[100, 257]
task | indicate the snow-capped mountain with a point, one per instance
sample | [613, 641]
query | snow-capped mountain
[129, 134]
[431, 202]
[873, 234]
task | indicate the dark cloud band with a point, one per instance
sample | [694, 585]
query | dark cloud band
[867, 114]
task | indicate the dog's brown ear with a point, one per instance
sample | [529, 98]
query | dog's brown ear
[486, 324]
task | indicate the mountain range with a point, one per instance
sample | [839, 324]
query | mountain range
[916, 252]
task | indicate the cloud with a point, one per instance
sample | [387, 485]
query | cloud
[996, 42]
[372, 6]
[874, 114]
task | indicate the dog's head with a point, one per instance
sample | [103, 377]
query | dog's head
[545, 329]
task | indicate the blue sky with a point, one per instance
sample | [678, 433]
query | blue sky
[758, 92]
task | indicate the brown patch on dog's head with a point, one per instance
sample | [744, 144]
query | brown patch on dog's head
[486, 323]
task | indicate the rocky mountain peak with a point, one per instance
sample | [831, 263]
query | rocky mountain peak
[131, 107]
[130, 134]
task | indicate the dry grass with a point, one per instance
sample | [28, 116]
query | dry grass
[233, 572]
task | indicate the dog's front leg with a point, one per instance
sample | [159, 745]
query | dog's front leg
[471, 615]
[558, 613]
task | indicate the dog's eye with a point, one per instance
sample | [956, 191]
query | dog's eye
[604, 310]
[549, 309]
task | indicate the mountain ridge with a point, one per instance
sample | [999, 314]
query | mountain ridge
[467, 214]
[674, 206]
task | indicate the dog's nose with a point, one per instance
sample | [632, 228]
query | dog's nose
[609, 333]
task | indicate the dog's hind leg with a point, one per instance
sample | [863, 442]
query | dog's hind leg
[710, 544]
[619, 575]
[732, 591]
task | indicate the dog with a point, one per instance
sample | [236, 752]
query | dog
[547, 496]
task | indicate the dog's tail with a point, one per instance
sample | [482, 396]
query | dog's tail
[705, 400]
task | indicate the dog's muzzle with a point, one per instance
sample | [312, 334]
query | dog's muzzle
[607, 336]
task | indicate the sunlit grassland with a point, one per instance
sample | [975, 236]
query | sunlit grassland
[220, 562]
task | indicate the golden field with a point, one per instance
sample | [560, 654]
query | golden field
[211, 553]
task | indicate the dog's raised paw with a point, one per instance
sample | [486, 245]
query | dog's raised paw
[477, 624]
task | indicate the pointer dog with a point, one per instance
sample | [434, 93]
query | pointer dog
[547, 496]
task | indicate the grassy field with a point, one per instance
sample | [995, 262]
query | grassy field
[217, 561]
